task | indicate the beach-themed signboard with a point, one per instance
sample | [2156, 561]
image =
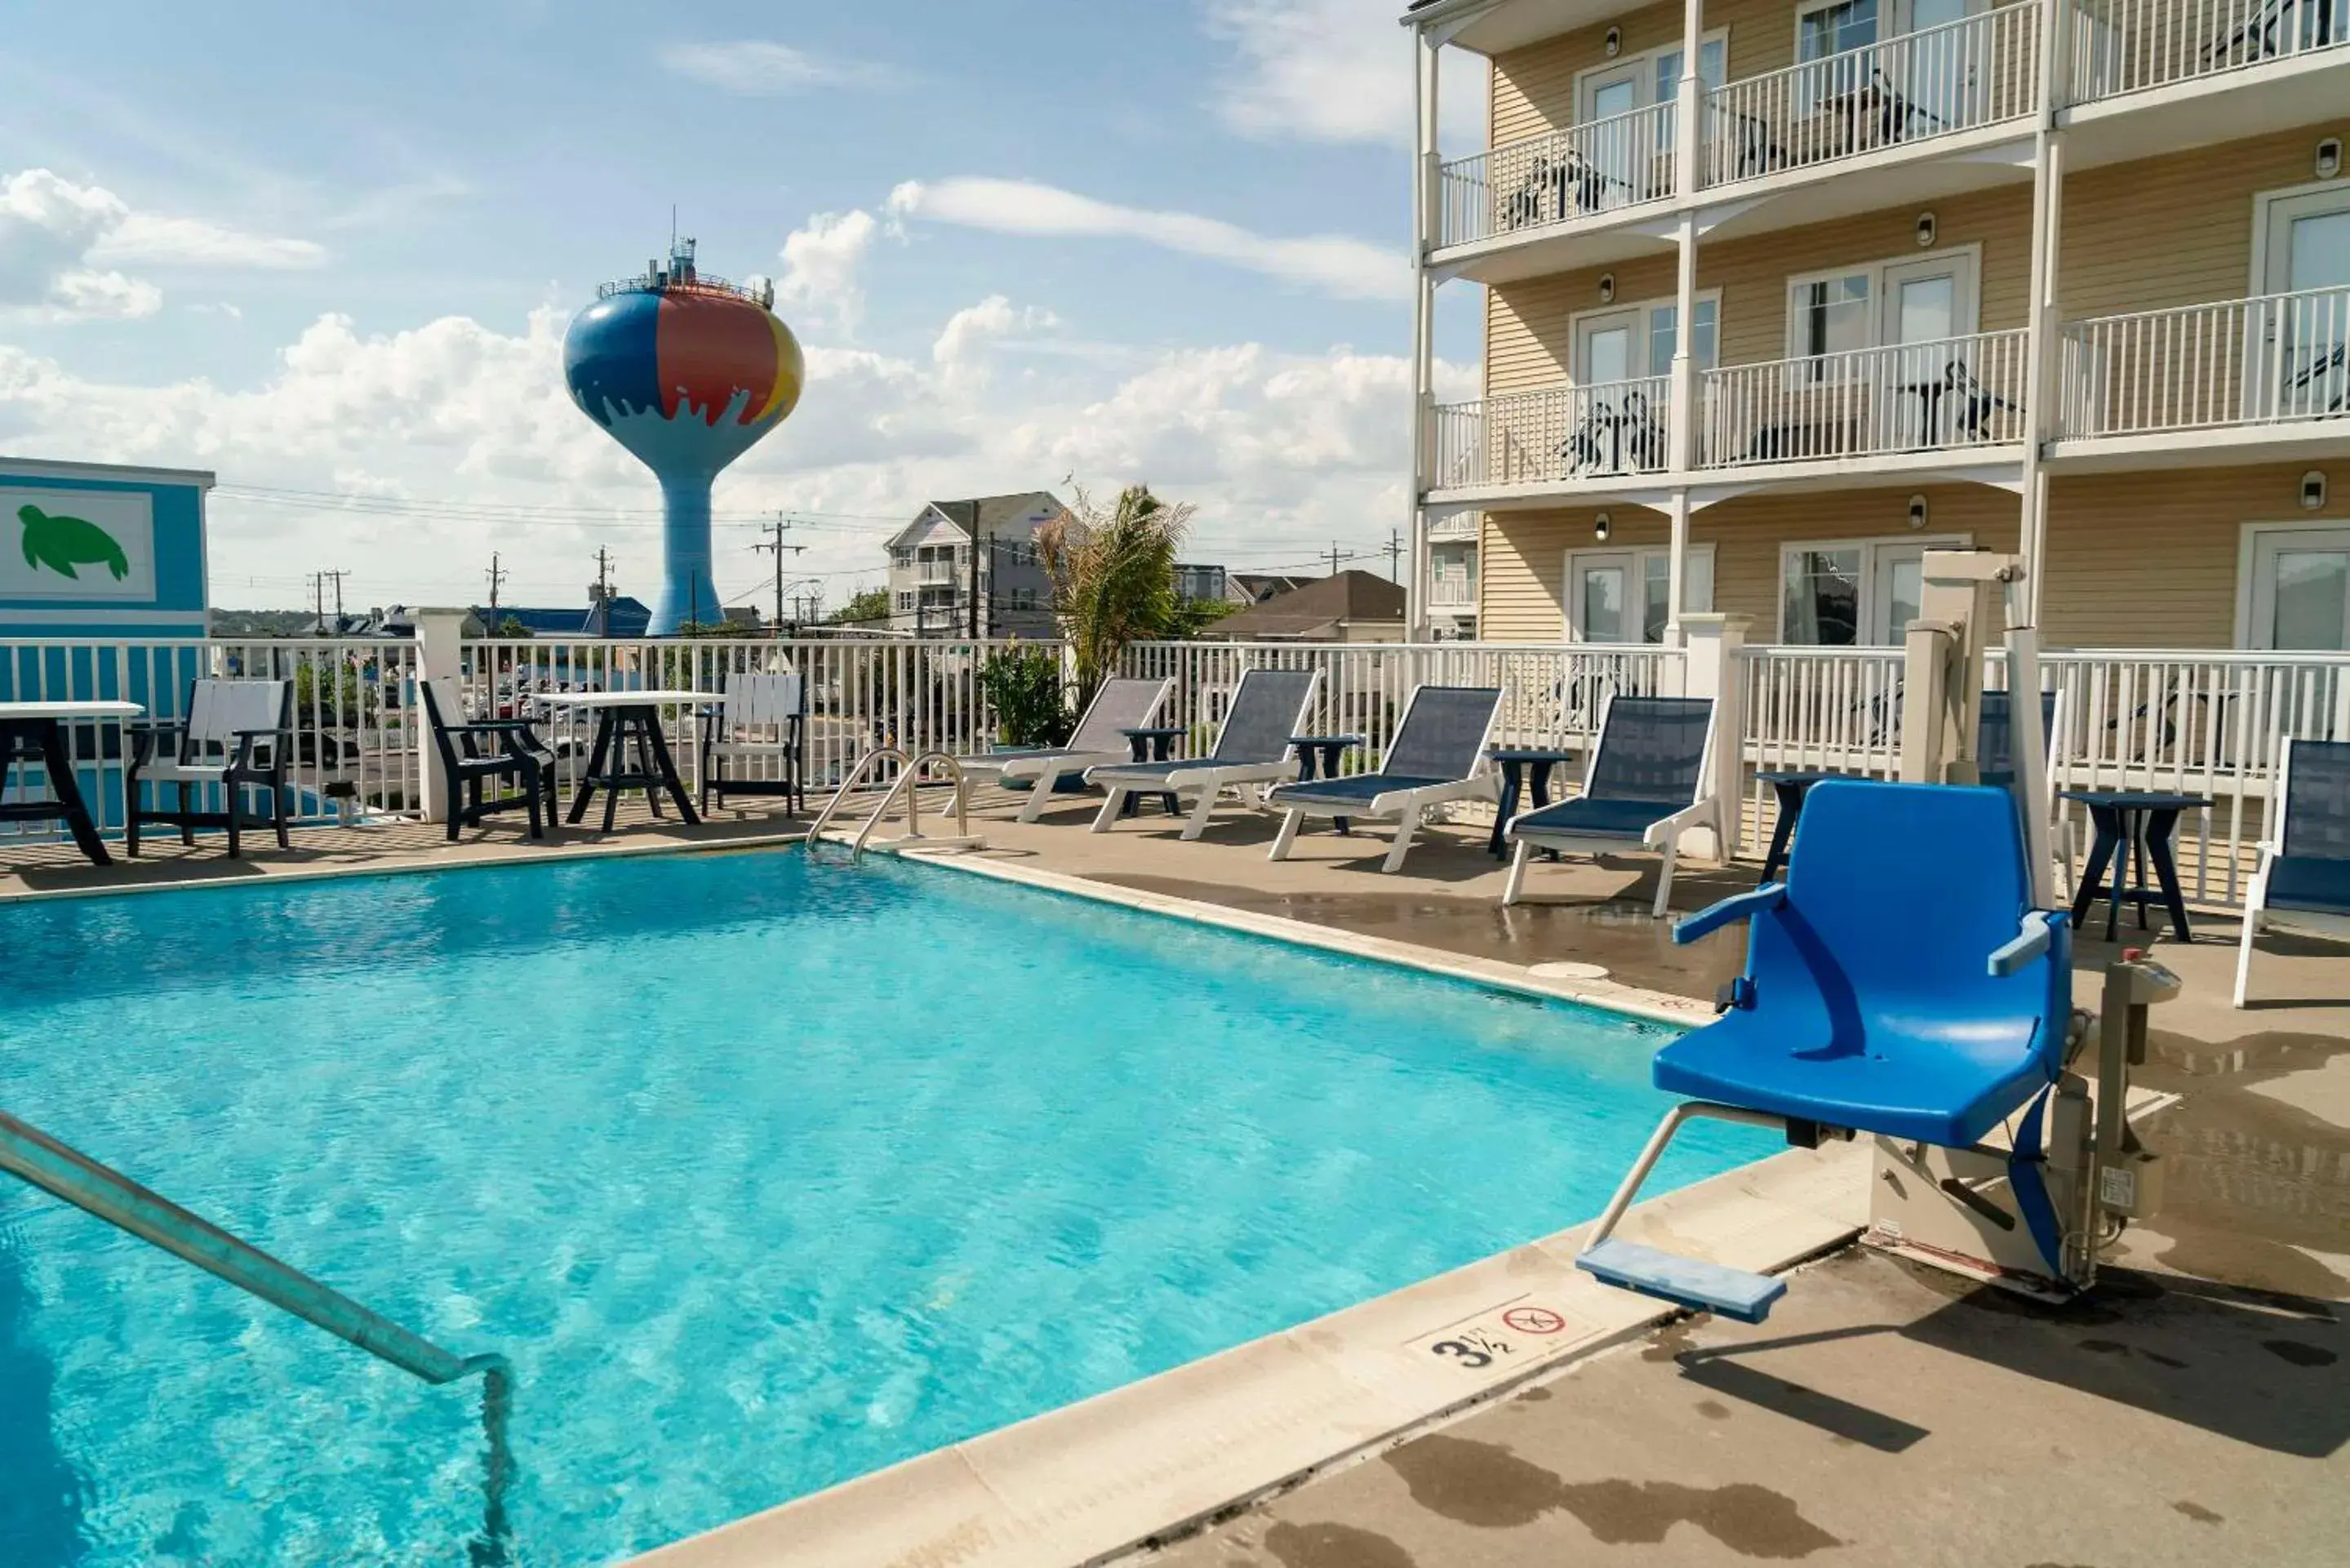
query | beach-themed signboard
[93, 550]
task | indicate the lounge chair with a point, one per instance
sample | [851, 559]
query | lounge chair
[757, 717]
[1123, 704]
[1439, 747]
[236, 735]
[1648, 781]
[1253, 748]
[1934, 1027]
[479, 752]
[2303, 881]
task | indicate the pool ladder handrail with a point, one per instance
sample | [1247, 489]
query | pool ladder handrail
[65, 1172]
[908, 783]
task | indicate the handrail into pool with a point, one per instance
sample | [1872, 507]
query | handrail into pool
[67, 1173]
[908, 781]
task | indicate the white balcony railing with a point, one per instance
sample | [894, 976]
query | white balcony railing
[1624, 161]
[1957, 77]
[2271, 359]
[1558, 433]
[2129, 45]
[1452, 591]
[1865, 402]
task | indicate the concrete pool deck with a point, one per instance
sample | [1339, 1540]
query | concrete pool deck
[2196, 1408]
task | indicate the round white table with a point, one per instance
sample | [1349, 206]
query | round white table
[37, 730]
[622, 717]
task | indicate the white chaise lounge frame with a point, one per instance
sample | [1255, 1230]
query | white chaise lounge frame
[1046, 769]
[1662, 839]
[1251, 781]
[1408, 807]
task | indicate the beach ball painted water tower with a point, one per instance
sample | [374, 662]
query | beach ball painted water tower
[687, 371]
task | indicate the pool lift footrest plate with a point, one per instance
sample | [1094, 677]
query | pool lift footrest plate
[1690, 1282]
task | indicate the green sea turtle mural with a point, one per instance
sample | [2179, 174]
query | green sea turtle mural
[61, 544]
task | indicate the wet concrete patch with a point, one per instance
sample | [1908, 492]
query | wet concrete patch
[1333, 1546]
[1487, 1486]
[2197, 1511]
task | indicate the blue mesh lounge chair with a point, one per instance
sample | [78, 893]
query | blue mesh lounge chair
[1123, 704]
[1648, 781]
[1436, 756]
[1268, 707]
[1935, 1028]
[2304, 876]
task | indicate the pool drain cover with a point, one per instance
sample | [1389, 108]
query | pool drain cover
[1567, 970]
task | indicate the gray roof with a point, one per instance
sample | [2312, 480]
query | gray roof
[997, 513]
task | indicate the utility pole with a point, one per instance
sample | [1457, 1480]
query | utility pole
[497, 575]
[973, 632]
[338, 577]
[1334, 557]
[318, 599]
[1395, 556]
[774, 543]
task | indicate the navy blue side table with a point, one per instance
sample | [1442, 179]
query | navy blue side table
[1154, 743]
[1328, 751]
[1516, 763]
[1789, 787]
[2127, 820]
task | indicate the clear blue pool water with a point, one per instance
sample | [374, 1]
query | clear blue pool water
[765, 1174]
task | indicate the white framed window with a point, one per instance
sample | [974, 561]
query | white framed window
[1854, 593]
[1905, 300]
[2293, 587]
[905, 600]
[1623, 596]
[2300, 249]
[1629, 342]
[1651, 76]
[1845, 38]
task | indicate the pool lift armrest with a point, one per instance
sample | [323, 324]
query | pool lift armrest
[1742, 906]
[2033, 937]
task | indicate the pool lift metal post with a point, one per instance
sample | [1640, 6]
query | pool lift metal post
[908, 783]
[67, 1173]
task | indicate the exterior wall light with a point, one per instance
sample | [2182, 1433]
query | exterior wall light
[2313, 490]
[1917, 512]
[1925, 231]
[1606, 288]
[2329, 158]
[1599, 527]
[1615, 42]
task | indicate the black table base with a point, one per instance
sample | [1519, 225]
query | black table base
[617, 728]
[1519, 770]
[2130, 839]
[44, 739]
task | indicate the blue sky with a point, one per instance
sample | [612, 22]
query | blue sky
[331, 250]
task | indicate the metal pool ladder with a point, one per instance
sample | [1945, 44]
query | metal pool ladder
[65, 1172]
[907, 782]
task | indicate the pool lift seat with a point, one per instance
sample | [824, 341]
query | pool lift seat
[1931, 1030]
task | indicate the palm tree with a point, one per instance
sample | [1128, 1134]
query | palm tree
[1113, 577]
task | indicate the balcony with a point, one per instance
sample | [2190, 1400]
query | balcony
[2144, 78]
[1875, 405]
[2254, 378]
[1603, 166]
[1907, 92]
[1454, 591]
[930, 572]
[1560, 437]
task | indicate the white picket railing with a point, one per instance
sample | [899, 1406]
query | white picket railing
[355, 720]
[1863, 402]
[2129, 45]
[2276, 357]
[1983, 70]
[1599, 166]
[1555, 692]
[1558, 432]
[2205, 723]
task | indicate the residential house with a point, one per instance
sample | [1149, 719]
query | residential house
[1255, 587]
[1353, 607]
[1780, 294]
[932, 574]
[1195, 584]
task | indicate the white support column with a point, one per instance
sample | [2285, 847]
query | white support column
[1677, 568]
[2043, 341]
[440, 655]
[1680, 428]
[1689, 101]
[1426, 230]
[1714, 664]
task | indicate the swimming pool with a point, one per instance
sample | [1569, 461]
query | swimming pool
[765, 1174]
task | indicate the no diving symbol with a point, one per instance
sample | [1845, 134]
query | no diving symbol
[1534, 1320]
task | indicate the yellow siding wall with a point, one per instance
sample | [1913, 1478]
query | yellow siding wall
[2174, 230]
[1533, 88]
[1530, 344]
[2134, 560]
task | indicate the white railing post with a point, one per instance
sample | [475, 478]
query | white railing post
[439, 653]
[1713, 665]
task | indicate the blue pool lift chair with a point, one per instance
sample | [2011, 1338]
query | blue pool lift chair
[1252, 751]
[1649, 780]
[2303, 881]
[1437, 755]
[1933, 1023]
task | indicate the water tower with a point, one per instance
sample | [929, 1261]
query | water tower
[686, 372]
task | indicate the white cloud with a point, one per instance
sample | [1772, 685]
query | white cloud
[755, 67]
[60, 242]
[192, 242]
[1282, 452]
[1334, 70]
[1336, 264]
[822, 260]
